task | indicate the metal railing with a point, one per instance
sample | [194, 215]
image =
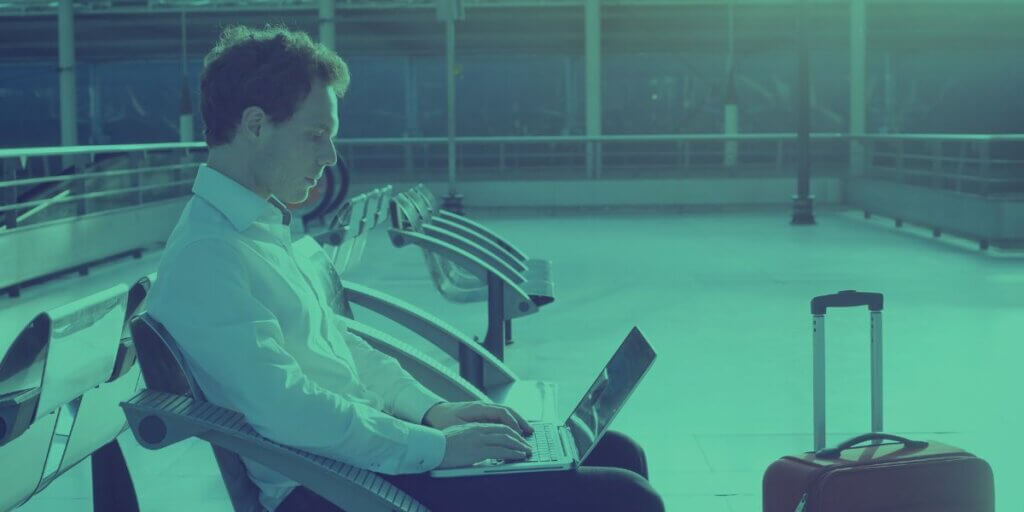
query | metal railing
[986, 165]
[565, 157]
[104, 201]
[15, 7]
[39, 184]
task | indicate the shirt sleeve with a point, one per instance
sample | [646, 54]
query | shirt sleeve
[232, 344]
[403, 395]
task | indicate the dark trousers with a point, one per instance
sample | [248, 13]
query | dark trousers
[613, 478]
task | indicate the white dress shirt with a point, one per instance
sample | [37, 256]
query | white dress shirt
[261, 339]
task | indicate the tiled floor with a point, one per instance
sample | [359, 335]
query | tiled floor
[723, 297]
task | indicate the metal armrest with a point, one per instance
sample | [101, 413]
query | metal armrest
[484, 231]
[431, 328]
[423, 194]
[513, 293]
[426, 370]
[512, 272]
[17, 409]
[487, 244]
[125, 359]
[160, 419]
[538, 281]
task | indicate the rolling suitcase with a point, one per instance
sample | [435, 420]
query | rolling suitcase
[897, 475]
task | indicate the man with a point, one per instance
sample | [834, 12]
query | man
[261, 341]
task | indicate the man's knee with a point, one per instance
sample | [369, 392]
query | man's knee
[619, 450]
[621, 442]
[630, 491]
[644, 497]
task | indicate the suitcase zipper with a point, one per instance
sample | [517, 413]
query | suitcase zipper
[818, 485]
[803, 503]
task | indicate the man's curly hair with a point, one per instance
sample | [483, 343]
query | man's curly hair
[272, 68]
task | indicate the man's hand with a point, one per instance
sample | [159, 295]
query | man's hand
[448, 414]
[470, 443]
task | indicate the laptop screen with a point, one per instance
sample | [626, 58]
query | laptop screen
[614, 384]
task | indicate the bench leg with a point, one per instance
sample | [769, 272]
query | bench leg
[471, 367]
[112, 488]
[495, 339]
[508, 332]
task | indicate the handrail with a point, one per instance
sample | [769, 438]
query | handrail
[907, 160]
[954, 137]
[93, 195]
[96, 174]
[28, 7]
[671, 137]
[104, 148]
[659, 137]
[23, 7]
[950, 175]
[664, 137]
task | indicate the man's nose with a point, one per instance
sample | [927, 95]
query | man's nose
[329, 156]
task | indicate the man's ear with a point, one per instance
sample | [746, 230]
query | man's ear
[254, 120]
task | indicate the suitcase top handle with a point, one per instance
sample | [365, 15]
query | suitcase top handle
[846, 299]
[835, 453]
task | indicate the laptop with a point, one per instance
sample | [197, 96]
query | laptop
[565, 446]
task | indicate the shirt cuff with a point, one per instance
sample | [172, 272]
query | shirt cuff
[413, 402]
[425, 451]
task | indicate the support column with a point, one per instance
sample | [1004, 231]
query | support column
[803, 202]
[858, 84]
[186, 126]
[327, 24]
[732, 116]
[570, 96]
[412, 110]
[448, 11]
[96, 134]
[66, 67]
[592, 84]
[732, 124]
[449, 81]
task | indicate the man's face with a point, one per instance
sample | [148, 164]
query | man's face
[294, 153]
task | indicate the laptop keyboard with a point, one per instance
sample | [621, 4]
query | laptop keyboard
[544, 443]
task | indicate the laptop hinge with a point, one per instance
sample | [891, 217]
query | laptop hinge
[568, 444]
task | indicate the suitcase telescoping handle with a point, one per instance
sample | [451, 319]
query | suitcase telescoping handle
[820, 306]
[846, 299]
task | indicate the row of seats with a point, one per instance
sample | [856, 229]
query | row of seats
[77, 416]
[61, 381]
[470, 263]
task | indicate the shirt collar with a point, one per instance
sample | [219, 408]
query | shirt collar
[240, 205]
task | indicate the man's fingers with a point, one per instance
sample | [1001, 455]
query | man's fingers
[524, 426]
[505, 430]
[497, 414]
[496, 428]
[505, 417]
[512, 442]
[508, 416]
[498, 452]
